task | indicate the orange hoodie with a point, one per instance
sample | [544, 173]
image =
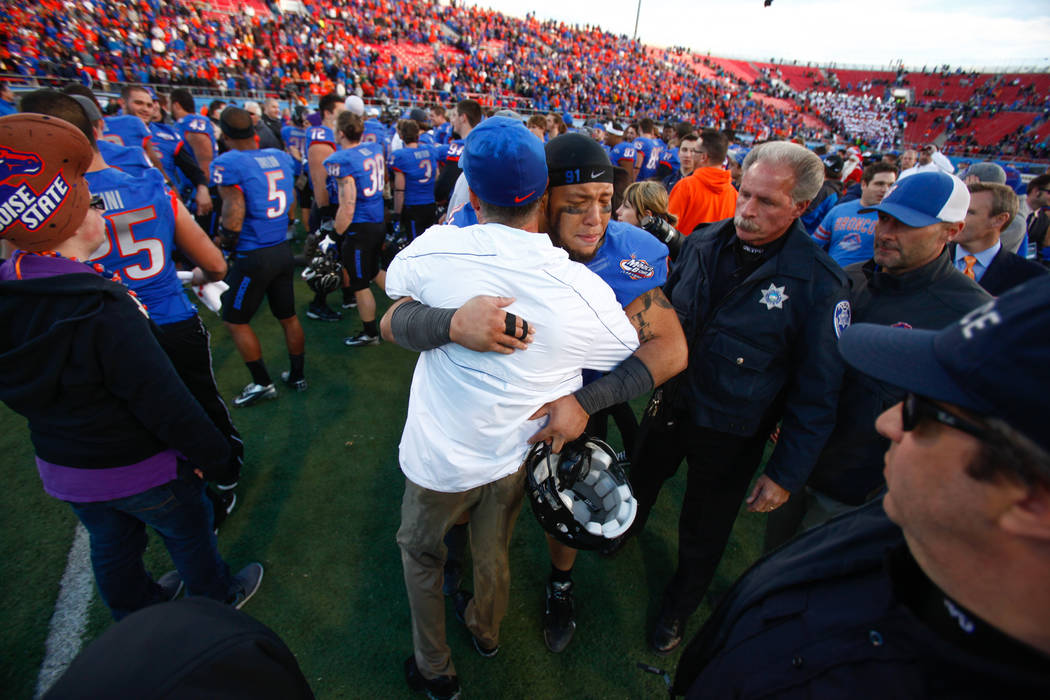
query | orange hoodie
[705, 196]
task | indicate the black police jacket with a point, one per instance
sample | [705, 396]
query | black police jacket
[767, 350]
[822, 617]
[931, 297]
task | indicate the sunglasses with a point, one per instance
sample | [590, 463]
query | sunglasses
[97, 203]
[915, 409]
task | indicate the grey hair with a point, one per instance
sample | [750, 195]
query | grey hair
[253, 108]
[807, 166]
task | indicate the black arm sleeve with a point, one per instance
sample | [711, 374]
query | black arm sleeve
[185, 162]
[418, 327]
[631, 378]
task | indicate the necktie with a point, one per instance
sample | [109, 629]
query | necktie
[970, 262]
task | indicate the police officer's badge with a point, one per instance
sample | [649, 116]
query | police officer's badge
[841, 317]
[773, 297]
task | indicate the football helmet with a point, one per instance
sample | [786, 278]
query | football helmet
[324, 274]
[581, 497]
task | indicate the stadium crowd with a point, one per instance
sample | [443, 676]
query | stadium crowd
[860, 312]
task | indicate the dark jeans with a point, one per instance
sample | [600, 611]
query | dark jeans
[720, 469]
[188, 346]
[180, 513]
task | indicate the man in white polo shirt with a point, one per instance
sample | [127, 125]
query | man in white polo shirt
[469, 413]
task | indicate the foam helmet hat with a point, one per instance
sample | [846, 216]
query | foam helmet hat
[995, 361]
[925, 199]
[43, 194]
[504, 163]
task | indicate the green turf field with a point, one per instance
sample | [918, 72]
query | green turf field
[319, 505]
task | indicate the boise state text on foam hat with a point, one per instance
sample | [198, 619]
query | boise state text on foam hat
[504, 163]
[995, 361]
[43, 194]
[925, 199]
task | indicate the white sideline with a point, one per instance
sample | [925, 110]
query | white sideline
[66, 631]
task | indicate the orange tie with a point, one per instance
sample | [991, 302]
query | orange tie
[970, 261]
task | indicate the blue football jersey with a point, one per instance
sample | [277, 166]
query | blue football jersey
[266, 178]
[366, 164]
[375, 132]
[622, 151]
[631, 261]
[140, 237]
[294, 137]
[197, 124]
[168, 143]
[129, 159]
[455, 150]
[419, 166]
[462, 216]
[651, 149]
[126, 130]
[319, 135]
[443, 132]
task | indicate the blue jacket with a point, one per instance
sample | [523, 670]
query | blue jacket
[825, 617]
[768, 350]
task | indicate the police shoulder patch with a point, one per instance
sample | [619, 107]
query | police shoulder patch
[841, 317]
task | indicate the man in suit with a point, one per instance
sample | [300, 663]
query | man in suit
[977, 251]
[1038, 221]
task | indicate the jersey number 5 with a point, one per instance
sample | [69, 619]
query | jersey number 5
[274, 194]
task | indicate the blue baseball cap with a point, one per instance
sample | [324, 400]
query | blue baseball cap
[925, 199]
[504, 163]
[995, 361]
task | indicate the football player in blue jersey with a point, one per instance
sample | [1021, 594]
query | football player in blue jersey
[415, 171]
[320, 144]
[576, 213]
[129, 128]
[466, 116]
[442, 126]
[130, 159]
[357, 175]
[199, 134]
[256, 187]
[145, 223]
[649, 147]
[621, 151]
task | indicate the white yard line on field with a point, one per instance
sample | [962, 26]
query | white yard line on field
[71, 612]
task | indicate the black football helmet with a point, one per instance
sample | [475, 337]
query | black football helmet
[581, 497]
[324, 274]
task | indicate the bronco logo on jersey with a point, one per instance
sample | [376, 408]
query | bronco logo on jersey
[14, 163]
[637, 269]
[24, 204]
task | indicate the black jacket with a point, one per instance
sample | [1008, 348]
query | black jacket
[79, 359]
[931, 297]
[822, 618]
[767, 350]
[1006, 271]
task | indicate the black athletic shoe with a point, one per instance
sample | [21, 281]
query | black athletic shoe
[667, 634]
[298, 384]
[323, 313]
[171, 584]
[360, 339]
[246, 583]
[459, 603]
[440, 688]
[350, 303]
[254, 393]
[559, 615]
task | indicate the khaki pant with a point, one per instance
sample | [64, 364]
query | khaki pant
[425, 518]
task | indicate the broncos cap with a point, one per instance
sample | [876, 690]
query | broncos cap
[503, 163]
[43, 194]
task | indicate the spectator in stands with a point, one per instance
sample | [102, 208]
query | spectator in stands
[688, 149]
[707, 195]
[845, 233]
[977, 250]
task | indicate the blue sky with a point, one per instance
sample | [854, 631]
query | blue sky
[968, 33]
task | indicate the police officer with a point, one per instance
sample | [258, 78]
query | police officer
[761, 307]
[938, 589]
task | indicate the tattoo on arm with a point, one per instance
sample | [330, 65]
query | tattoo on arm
[654, 296]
